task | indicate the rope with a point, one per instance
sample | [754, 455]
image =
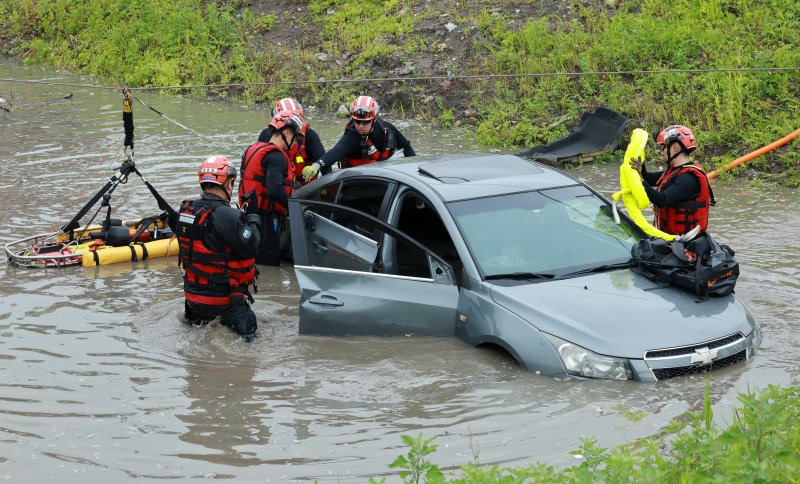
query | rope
[201, 135]
[422, 78]
[172, 120]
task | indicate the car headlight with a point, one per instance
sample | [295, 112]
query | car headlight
[582, 362]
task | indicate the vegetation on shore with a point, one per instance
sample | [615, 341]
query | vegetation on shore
[762, 444]
[190, 42]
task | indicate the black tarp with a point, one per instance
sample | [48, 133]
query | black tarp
[596, 133]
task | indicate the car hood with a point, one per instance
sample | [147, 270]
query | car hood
[622, 313]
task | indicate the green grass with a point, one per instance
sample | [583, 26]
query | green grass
[138, 42]
[730, 112]
[160, 42]
[368, 28]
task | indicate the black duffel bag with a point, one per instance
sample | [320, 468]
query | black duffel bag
[702, 265]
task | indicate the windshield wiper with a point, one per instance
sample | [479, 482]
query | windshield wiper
[521, 275]
[601, 268]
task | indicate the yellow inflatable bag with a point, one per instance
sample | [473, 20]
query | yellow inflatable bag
[631, 189]
[138, 251]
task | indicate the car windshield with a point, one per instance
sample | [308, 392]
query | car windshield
[548, 234]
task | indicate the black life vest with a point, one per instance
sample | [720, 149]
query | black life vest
[685, 215]
[254, 178]
[210, 277]
[369, 153]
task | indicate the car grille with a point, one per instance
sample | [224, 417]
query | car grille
[664, 373]
[688, 350]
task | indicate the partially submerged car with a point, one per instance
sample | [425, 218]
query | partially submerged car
[499, 250]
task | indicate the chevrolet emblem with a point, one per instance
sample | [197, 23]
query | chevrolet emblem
[703, 356]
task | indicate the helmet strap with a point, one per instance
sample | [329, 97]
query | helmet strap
[288, 143]
[225, 190]
[677, 154]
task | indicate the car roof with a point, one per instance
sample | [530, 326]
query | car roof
[460, 177]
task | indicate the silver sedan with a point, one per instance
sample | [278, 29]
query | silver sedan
[498, 250]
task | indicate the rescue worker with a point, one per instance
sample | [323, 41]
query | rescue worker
[218, 244]
[681, 195]
[366, 139]
[308, 146]
[268, 170]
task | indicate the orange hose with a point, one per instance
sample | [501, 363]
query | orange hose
[756, 153]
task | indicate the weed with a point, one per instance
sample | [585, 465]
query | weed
[415, 464]
[761, 445]
[261, 24]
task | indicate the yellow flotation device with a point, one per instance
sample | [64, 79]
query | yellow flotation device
[631, 189]
[136, 251]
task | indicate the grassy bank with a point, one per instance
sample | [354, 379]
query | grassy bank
[762, 444]
[158, 42]
[731, 112]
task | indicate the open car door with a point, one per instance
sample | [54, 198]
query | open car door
[342, 260]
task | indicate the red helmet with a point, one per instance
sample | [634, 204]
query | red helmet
[286, 119]
[364, 108]
[216, 169]
[288, 104]
[677, 133]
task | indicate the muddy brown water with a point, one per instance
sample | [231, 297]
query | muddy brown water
[101, 382]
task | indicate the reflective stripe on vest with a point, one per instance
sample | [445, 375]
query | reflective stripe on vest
[210, 277]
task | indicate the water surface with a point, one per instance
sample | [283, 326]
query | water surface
[101, 382]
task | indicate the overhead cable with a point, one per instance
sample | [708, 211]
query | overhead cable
[417, 79]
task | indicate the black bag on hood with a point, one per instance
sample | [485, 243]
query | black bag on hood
[702, 265]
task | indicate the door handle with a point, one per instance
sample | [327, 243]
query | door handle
[325, 300]
[321, 248]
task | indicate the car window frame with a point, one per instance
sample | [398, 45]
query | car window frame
[388, 196]
[392, 217]
[388, 229]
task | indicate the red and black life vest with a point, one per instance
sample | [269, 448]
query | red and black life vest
[210, 277]
[298, 155]
[254, 178]
[685, 215]
[369, 153]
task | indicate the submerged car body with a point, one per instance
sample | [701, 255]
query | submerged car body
[495, 249]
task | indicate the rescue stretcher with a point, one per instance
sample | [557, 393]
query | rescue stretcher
[110, 241]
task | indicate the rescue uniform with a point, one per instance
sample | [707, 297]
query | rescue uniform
[302, 154]
[268, 170]
[217, 251]
[352, 149]
[681, 198]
